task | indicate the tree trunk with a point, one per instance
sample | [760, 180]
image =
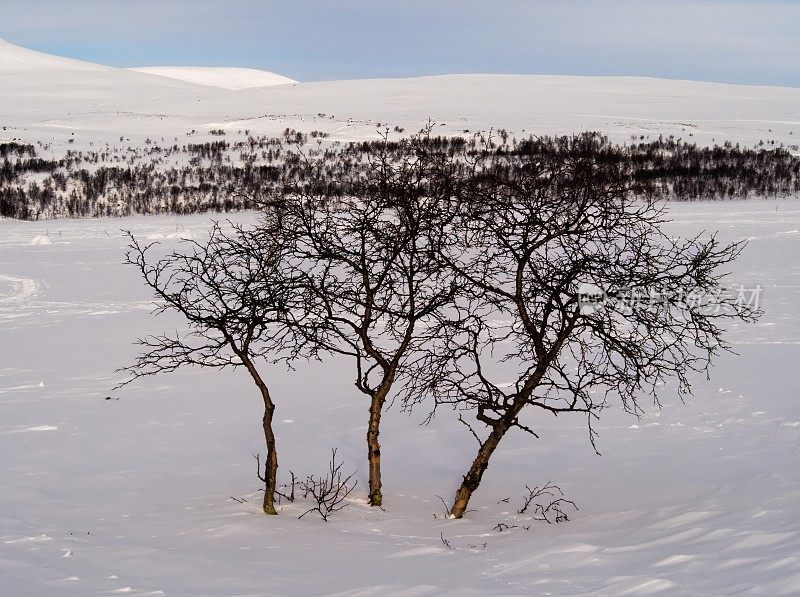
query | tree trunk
[473, 477]
[373, 446]
[271, 464]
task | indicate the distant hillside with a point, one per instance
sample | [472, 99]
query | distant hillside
[226, 78]
[60, 101]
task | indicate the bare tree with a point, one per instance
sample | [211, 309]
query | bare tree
[242, 309]
[549, 223]
[368, 225]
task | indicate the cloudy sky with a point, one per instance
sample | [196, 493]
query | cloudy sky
[736, 41]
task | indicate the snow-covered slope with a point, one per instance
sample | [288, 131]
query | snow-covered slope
[44, 96]
[48, 97]
[20, 61]
[227, 78]
[34, 70]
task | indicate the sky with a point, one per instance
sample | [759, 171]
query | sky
[732, 41]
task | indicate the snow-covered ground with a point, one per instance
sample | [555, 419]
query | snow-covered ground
[134, 493]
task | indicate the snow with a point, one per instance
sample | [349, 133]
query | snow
[701, 498]
[227, 78]
[22, 61]
[132, 491]
[47, 98]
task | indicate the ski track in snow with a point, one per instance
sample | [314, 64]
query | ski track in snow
[20, 298]
[20, 290]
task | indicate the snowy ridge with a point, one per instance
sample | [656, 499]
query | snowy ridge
[18, 60]
[226, 78]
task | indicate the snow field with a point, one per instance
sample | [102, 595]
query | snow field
[134, 493]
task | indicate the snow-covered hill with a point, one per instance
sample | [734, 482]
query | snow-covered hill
[52, 98]
[226, 78]
[44, 97]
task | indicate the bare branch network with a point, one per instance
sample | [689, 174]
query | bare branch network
[451, 272]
